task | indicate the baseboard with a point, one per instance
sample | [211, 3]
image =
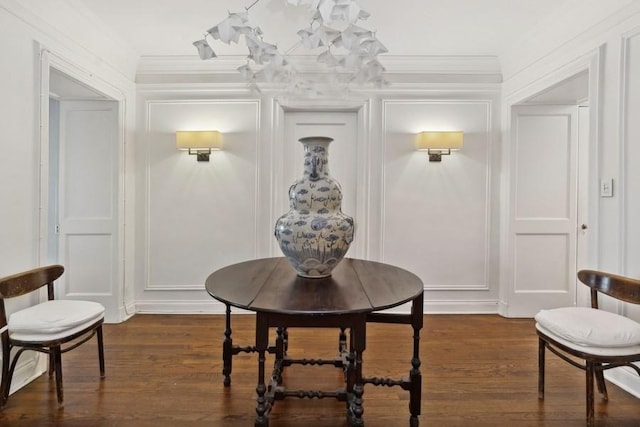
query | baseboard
[30, 366]
[625, 378]
[216, 307]
[461, 307]
[183, 307]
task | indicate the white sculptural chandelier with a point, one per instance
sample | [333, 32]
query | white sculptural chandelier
[345, 53]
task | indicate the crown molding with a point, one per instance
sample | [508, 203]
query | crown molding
[394, 64]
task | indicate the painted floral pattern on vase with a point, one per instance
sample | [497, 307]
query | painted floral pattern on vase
[315, 235]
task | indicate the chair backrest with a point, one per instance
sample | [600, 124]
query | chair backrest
[29, 281]
[623, 288]
[25, 282]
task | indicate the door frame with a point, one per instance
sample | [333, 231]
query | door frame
[365, 211]
[591, 63]
[48, 61]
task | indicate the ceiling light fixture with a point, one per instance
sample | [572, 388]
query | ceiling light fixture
[346, 53]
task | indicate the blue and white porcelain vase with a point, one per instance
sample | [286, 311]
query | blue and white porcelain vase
[315, 235]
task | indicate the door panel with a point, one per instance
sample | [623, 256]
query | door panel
[88, 201]
[343, 166]
[544, 206]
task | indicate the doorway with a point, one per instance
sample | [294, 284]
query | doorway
[80, 197]
[550, 174]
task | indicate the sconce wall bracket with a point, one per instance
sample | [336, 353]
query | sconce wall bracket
[435, 157]
[201, 155]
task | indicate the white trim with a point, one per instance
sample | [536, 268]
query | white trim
[363, 128]
[208, 306]
[149, 103]
[488, 103]
[592, 62]
[461, 307]
[401, 64]
[228, 89]
[625, 378]
[624, 146]
[215, 307]
[30, 368]
[48, 60]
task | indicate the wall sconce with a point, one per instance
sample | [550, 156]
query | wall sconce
[437, 144]
[199, 143]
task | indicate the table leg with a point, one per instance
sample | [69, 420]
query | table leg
[358, 337]
[285, 336]
[280, 352]
[350, 377]
[415, 376]
[262, 344]
[227, 349]
[342, 341]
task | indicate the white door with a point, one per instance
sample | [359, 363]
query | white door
[343, 154]
[544, 147]
[583, 296]
[87, 202]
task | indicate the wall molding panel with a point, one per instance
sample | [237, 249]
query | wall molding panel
[438, 209]
[191, 206]
[629, 153]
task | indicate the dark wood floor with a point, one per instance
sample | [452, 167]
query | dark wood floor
[165, 370]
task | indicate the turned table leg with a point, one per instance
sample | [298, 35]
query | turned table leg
[358, 339]
[262, 344]
[415, 376]
[227, 349]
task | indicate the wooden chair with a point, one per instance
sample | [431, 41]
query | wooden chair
[45, 327]
[591, 339]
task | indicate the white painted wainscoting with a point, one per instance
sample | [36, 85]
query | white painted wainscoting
[630, 185]
[195, 217]
[434, 219]
[436, 216]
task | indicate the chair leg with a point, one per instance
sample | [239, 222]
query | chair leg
[100, 351]
[541, 355]
[602, 387]
[51, 364]
[57, 362]
[5, 384]
[590, 372]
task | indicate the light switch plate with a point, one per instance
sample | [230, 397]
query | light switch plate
[606, 187]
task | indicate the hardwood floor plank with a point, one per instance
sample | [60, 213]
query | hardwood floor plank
[165, 370]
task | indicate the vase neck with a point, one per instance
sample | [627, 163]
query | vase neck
[316, 161]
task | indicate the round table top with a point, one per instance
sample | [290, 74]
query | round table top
[272, 285]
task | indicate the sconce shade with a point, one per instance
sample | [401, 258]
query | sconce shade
[439, 140]
[199, 140]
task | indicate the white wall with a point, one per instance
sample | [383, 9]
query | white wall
[171, 203]
[614, 45]
[437, 217]
[194, 218]
[23, 34]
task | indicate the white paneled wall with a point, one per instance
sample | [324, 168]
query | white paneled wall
[196, 216]
[434, 218]
[631, 154]
[436, 215]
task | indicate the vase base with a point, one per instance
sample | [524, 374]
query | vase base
[315, 276]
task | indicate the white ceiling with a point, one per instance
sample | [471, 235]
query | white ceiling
[406, 27]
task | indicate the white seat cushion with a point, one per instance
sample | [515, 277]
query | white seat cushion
[53, 320]
[590, 327]
[596, 351]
